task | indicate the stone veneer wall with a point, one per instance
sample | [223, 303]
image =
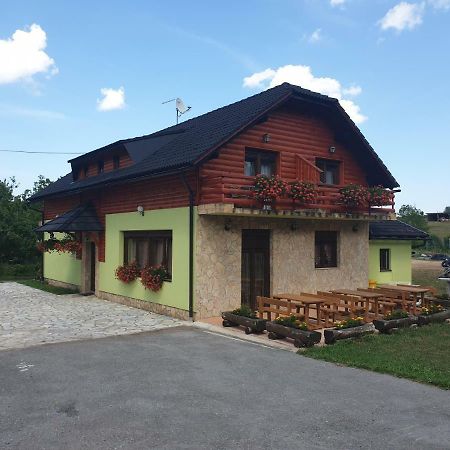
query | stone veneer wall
[218, 259]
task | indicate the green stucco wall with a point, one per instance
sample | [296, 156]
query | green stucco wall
[173, 293]
[62, 266]
[400, 262]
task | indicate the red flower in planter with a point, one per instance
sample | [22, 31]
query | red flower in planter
[128, 272]
[268, 189]
[152, 277]
[354, 195]
[303, 191]
[379, 196]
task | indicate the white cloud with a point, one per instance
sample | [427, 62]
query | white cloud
[8, 111]
[315, 36]
[403, 16]
[440, 4]
[353, 91]
[112, 99]
[23, 56]
[337, 2]
[302, 76]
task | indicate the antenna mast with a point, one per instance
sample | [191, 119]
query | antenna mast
[179, 107]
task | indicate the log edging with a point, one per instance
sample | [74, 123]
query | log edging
[251, 325]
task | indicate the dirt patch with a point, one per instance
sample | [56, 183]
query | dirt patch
[426, 273]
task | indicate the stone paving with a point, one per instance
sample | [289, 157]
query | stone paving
[33, 317]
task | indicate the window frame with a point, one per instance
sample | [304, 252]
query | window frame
[148, 236]
[335, 162]
[326, 239]
[388, 267]
[259, 154]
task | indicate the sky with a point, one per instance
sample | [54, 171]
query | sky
[75, 76]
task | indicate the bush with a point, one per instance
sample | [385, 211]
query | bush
[18, 270]
[244, 311]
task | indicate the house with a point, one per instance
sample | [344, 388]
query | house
[184, 197]
[390, 250]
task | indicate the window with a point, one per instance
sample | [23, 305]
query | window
[149, 248]
[326, 249]
[100, 166]
[385, 259]
[260, 163]
[116, 162]
[330, 171]
[86, 170]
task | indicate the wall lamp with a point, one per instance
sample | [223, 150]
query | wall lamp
[140, 210]
[332, 149]
[294, 226]
[266, 137]
[227, 226]
[355, 228]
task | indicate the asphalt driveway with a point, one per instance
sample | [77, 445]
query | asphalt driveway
[184, 388]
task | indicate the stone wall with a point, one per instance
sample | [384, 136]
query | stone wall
[218, 258]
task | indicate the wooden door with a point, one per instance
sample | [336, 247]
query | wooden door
[255, 269]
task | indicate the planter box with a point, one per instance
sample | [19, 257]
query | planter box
[383, 326]
[251, 325]
[302, 338]
[434, 318]
[333, 335]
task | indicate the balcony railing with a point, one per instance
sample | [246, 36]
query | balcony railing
[239, 191]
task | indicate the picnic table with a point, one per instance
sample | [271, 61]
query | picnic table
[408, 291]
[366, 297]
[306, 302]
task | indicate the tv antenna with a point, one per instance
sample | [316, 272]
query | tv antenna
[180, 107]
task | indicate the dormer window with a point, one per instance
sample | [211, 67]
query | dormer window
[260, 163]
[116, 162]
[100, 166]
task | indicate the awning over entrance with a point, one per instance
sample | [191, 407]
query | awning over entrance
[82, 218]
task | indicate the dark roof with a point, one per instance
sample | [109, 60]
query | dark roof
[184, 145]
[82, 218]
[395, 230]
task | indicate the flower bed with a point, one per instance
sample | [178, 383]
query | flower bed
[344, 329]
[245, 317]
[397, 319]
[432, 314]
[291, 327]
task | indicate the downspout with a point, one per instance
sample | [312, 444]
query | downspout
[191, 245]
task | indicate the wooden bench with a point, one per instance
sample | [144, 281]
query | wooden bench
[393, 299]
[278, 307]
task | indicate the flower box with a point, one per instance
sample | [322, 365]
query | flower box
[336, 334]
[384, 326]
[433, 318]
[302, 338]
[251, 324]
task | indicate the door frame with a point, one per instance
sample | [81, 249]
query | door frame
[250, 240]
[89, 256]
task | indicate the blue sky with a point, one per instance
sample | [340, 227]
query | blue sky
[386, 60]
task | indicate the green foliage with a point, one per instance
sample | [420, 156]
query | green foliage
[13, 271]
[349, 323]
[396, 314]
[17, 222]
[47, 287]
[291, 322]
[419, 354]
[414, 217]
[447, 210]
[244, 311]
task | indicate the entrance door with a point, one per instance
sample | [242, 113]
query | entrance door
[255, 272]
[92, 268]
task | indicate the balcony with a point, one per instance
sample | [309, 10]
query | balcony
[228, 195]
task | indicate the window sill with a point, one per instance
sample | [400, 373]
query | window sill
[385, 270]
[326, 268]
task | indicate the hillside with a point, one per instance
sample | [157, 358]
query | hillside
[440, 229]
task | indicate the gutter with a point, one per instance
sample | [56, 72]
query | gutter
[191, 244]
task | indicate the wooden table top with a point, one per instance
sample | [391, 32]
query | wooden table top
[362, 294]
[300, 298]
[413, 289]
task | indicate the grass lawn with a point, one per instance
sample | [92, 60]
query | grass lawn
[46, 287]
[420, 354]
[426, 274]
[440, 229]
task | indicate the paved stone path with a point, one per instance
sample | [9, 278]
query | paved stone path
[33, 317]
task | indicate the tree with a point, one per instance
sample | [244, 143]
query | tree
[414, 217]
[447, 210]
[18, 221]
